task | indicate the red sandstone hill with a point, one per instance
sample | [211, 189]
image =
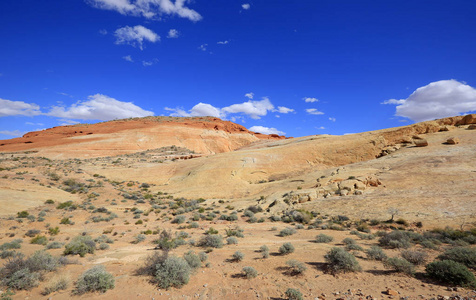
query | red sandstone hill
[203, 135]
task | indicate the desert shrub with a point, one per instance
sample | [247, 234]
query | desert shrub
[232, 240]
[53, 231]
[340, 260]
[8, 253]
[139, 238]
[194, 225]
[353, 247]
[81, 245]
[193, 260]
[287, 231]
[104, 239]
[264, 250]
[248, 213]
[54, 245]
[56, 284]
[364, 236]
[15, 244]
[66, 221]
[462, 255]
[179, 219]
[94, 279]
[293, 294]
[451, 272]
[400, 265]
[103, 246]
[237, 256]
[49, 201]
[32, 232]
[376, 253]
[39, 240]
[296, 267]
[275, 218]
[255, 209]
[363, 227]
[395, 239]
[211, 230]
[22, 214]
[415, 257]
[212, 240]
[172, 272]
[203, 256]
[286, 248]
[430, 244]
[166, 242]
[349, 241]
[238, 232]
[23, 274]
[250, 272]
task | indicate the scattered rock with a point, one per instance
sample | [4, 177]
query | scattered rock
[472, 127]
[421, 142]
[391, 292]
[452, 141]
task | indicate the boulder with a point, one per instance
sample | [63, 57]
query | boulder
[421, 143]
[452, 141]
[468, 119]
[348, 184]
[446, 128]
[472, 127]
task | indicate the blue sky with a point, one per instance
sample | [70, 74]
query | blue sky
[294, 67]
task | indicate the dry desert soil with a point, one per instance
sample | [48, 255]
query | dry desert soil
[168, 186]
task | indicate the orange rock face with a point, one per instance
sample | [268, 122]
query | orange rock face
[204, 135]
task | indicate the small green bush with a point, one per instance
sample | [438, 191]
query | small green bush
[54, 245]
[294, 294]
[340, 260]
[15, 244]
[139, 238]
[250, 272]
[238, 256]
[39, 240]
[324, 238]
[54, 231]
[415, 257]
[56, 284]
[232, 240]
[286, 248]
[400, 265]
[212, 240]
[395, 239]
[451, 272]
[203, 256]
[179, 219]
[94, 279]
[22, 279]
[193, 260]
[462, 255]
[287, 231]
[376, 253]
[296, 267]
[172, 272]
[81, 245]
[32, 233]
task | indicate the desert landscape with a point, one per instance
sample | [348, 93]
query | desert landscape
[200, 208]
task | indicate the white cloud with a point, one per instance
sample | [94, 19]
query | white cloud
[254, 109]
[15, 133]
[332, 119]
[320, 128]
[246, 6]
[15, 108]
[64, 94]
[439, 99]
[135, 36]
[310, 100]
[128, 58]
[284, 110]
[34, 124]
[99, 107]
[199, 110]
[177, 112]
[266, 130]
[314, 111]
[249, 95]
[150, 62]
[222, 42]
[203, 47]
[103, 31]
[173, 34]
[150, 9]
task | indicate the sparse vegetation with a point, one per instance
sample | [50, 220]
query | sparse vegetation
[462, 255]
[324, 238]
[340, 260]
[400, 265]
[81, 245]
[211, 240]
[376, 253]
[96, 279]
[294, 294]
[451, 272]
[249, 272]
[286, 248]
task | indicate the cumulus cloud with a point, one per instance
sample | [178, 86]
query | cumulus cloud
[150, 9]
[135, 36]
[199, 110]
[222, 42]
[284, 110]
[128, 58]
[203, 47]
[246, 6]
[332, 119]
[314, 111]
[173, 34]
[439, 99]
[15, 108]
[249, 95]
[12, 132]
[266, 130]
[310, 100]
[99, 107]
[254, 109]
